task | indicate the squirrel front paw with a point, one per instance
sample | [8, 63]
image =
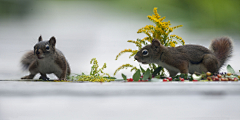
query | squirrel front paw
[43, 78]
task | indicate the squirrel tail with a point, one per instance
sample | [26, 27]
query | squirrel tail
[27, 59]
[222, 48]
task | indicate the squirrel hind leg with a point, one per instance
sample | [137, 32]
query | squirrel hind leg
[31, 76]
[43, 77]
[211, 63]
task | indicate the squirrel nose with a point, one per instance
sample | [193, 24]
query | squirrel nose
[135, 57]
[37, 52]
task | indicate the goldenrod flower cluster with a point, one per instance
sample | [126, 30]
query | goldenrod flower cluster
[96, 75]
[125, 66]
[161, 31]
[95, 71]
[92, 78]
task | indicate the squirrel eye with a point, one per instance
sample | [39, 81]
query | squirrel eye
[145, 52]
[47, 47]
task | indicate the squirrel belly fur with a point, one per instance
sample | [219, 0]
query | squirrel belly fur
[187, 58]
[45, 59]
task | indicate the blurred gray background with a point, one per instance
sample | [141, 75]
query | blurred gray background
[100, 29]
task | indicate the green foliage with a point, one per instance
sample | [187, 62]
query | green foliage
[157, 71]
[124, 76]
[137, 75]
[94, 69]
[143, 71]
[96, 74]
[230, 69]
[147, 74]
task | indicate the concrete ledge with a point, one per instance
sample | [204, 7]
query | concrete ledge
[23, 88]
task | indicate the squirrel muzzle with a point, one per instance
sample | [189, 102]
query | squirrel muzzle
[39, 53]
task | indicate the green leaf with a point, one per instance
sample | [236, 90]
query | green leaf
[136, 75]
[143, 71]
[150, 76]
[119, 80]
[110, 77]
[158, 76]
[156, 71]
[146, 74]
[182, 75]
[124, 76]
[230, 69]
[154, 66]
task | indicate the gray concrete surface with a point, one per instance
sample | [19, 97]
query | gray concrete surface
[21, 100]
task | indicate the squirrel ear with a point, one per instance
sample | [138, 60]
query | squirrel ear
[52, 41]
[155, 45]
[40, 38]
[155, 42]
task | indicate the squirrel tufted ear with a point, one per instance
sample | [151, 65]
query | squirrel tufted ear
[40, 38]
[52, 41]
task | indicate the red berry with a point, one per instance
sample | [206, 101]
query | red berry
[170, 78]
[165, 80]
[181, 79]
[195, 80]
[129, 79]
[216, 78]
[230, 79]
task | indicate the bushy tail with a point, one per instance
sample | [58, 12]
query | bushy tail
[27, 59]
[222, 48]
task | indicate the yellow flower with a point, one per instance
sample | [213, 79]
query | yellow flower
[122, 67]
[155, 13]
[134, 52]
[183, 42]
[123, 51]
[138, 44]
[172, 44]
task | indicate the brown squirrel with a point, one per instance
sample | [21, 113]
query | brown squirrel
[45, 59]
[187, 58]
